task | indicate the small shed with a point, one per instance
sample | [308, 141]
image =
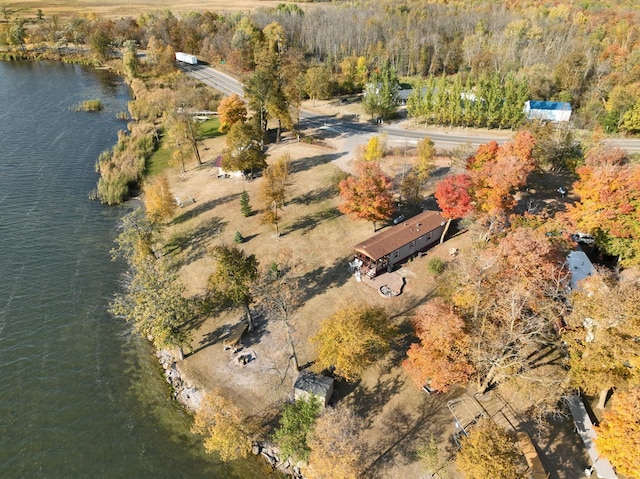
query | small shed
[555, 111]
[384, 251]
[310, 384]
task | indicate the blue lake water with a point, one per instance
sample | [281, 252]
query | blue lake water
[80, 397]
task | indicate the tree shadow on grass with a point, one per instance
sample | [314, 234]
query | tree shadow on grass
[405, 429]
[368, 402]
[204, 207]
[304, 164]
[248, 338]
[316, 196]
[308, 222]
[322, 278]
[189, 246]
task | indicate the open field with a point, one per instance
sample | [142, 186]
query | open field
[121, 8]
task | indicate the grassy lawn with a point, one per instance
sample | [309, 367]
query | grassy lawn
[210, 128]
[161, 158]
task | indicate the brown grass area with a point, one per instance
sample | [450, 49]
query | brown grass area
[400, 417]
[120, 8]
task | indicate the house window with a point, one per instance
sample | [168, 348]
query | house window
[428, 236]
[412, 244]
[395, 253]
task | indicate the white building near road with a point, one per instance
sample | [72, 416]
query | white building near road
[555, 111]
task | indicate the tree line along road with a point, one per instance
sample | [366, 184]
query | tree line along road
[229, 85]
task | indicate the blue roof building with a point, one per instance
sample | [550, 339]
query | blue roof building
[547, 110]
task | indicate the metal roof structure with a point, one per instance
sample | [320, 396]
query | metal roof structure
[394, 238]
[548, 110]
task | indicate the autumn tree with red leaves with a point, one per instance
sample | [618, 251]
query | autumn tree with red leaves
[440, 357]
[367, 196]
[496, 171]
[453, 195]
[493, 174]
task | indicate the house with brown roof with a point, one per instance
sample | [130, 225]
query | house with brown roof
[382, 252]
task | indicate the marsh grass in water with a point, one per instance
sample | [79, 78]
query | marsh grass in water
[89, 105]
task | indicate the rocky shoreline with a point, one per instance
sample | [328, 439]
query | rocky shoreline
[191, 397]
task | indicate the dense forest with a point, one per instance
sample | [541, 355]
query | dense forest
[581, 52]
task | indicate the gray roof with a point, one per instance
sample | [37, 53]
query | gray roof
[313, 383]
[396, 237]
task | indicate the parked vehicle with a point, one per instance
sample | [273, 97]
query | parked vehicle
[583, 238]
[186, 58]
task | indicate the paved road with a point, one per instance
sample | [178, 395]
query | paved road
[455, 137]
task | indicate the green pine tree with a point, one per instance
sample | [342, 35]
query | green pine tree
[245, 206]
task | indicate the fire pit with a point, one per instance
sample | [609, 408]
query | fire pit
[386, 292]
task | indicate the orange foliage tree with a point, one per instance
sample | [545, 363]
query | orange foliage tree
[453, 195]
[498, 170]
[510, 295]
[609, 206]
[441, 356]
[619, 433]
[367, 196]
[230, 111]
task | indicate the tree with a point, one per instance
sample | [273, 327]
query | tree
[224, 428]
[130, 58]
[600, 329]
[453, 195]
[230, 111]
[134, 242]
[244, 150]
[609, 191]
[336, 446]
[317, 83]
[184, 130]
[296, 424]
[266, 93]
[496, 171]
[159, 200]
[511, 295]
[245, 206]
[231, 282]
[619, 432]
[426, 156]
[380, 97]
[374, 150]
[279, 291]
[352, 339]
[441, 356]
[367, 196]
[412, 188]
[273, 189]
[490, 451]
[100, 42]
[153, 301]
[17, 33]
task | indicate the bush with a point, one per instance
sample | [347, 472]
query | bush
[238, 238]
[435, 265]
[296, 424]
[89, 105]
